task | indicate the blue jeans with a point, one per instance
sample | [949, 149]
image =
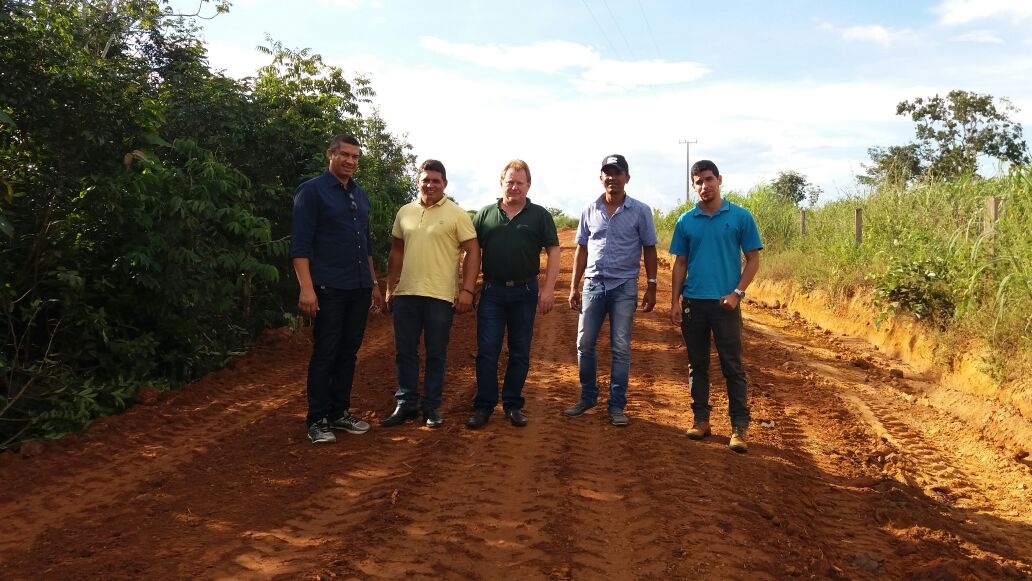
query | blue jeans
[700, 318]
[336, 336]
[503, 307]
[431, 318]
[619, 304]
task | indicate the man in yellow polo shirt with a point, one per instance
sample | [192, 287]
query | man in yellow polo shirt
[423, 291]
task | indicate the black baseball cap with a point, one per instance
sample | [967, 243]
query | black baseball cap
[617, 160]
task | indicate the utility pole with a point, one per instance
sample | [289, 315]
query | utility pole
[687, 169]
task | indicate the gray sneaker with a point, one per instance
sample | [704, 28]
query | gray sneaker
[578, 409]
[350, 424]
[320, 433]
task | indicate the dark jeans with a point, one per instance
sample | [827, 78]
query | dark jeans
[337, 335]
[431, 318]
[699, 319]
[502, 308]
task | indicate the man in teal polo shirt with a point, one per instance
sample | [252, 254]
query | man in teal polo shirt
[511, 233]
[708, 284]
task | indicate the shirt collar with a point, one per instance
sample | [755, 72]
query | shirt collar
[600, 202]
[334, 181]
[724, 207]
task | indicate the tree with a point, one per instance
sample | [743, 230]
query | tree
[145, 201]
[896, 166]
[794, 186]
[953, 131]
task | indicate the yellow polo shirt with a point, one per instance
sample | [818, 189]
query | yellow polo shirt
[432, 237]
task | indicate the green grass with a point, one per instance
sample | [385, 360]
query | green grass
[925, 253]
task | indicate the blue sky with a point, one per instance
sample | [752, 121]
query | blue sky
[761, 87]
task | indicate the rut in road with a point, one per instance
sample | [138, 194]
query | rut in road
[854, 477]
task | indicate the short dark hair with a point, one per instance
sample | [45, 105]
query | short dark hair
[703, 165]
[434, 165]
[343, 138]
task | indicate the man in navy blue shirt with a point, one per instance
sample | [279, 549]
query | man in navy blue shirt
[708, 283]
[331, 249]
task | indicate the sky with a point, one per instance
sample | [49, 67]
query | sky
[759, 87]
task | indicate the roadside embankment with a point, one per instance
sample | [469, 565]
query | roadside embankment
[953, 382]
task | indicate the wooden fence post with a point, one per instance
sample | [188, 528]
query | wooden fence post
[992, 215]
[802, 222]
[858, 226]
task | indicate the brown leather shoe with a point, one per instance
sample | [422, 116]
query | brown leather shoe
[738, 443]
[699, 431]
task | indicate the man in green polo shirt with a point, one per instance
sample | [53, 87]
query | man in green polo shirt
[511, 233]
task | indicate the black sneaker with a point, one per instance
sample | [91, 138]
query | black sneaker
[320, 433]
[433, 419]
[617, 417]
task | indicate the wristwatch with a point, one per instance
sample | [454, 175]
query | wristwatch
[740, 293]
[652, 281]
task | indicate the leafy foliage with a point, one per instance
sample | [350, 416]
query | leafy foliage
[795, 187]
[921, 287]
[146, 200]
[952, 133]
[894, 167]
[561, 219]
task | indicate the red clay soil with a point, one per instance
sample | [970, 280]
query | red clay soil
[849, 475]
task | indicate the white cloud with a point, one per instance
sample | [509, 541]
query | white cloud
[596, 74]
[545, 57]
[955, 12]
[235, 60]
[751, 130]
[350, 4]
[877, 34]
[978, 37]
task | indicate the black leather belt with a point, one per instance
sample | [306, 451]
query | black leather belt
[511, 283]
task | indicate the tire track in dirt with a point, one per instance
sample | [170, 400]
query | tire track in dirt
[825, 373]
[181, 429]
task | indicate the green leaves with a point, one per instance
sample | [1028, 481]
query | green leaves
[145, 200]
[921, 287]
[953, 131]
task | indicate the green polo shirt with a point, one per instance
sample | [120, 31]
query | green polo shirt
[512, 248]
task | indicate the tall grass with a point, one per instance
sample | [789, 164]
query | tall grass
[925, 253]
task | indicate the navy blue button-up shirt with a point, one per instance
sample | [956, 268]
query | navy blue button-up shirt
[331, 229]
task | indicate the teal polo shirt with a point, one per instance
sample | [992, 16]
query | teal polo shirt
[714, 246]
[512, 248]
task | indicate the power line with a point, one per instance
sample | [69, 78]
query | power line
[618, 28]
[644, 17]
[602, 30]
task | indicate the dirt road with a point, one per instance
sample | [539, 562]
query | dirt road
[849, 475]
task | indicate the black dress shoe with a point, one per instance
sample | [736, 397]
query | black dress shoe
[517, 417]
[433, 419]
[478, 419]
[400, 416]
